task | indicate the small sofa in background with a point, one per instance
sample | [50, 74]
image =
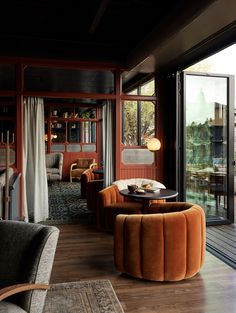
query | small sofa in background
[54, 164]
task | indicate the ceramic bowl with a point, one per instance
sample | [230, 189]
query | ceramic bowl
[132, 188]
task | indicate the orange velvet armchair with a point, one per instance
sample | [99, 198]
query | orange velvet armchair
[90, 186]
[88, 176]
[112, 203]
[168, 245]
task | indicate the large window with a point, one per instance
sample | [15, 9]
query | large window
[139, 117]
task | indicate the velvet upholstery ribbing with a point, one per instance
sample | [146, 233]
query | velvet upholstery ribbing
[166, 245]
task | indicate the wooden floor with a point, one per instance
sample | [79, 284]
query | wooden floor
[83, 253]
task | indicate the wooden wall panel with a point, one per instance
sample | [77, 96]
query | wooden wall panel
[138, 171]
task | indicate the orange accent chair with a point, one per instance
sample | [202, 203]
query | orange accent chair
[88, 176]
[168, 245]
[90, 186]
[111, 203]
[82, 164]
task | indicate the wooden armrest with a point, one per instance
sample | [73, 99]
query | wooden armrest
[92, 165]
[13, 289]
[72, 165]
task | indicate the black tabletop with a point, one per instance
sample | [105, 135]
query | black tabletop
[163, 194]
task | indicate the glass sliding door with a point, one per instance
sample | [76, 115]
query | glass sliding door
[208, 145]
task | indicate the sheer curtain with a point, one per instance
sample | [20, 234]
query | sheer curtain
[35, 179]
[108, 142]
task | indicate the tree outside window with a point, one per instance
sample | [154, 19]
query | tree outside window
[139, 118]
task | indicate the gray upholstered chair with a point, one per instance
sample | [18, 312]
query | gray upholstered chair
[54, 163]
[26, 257]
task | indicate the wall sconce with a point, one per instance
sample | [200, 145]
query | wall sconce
[154, 144]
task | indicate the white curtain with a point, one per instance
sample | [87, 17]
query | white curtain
[35, 179]
[108, 127]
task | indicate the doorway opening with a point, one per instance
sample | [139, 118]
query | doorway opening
[208, 140]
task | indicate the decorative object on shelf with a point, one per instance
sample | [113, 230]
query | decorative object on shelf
[154, 144]
[54, 113]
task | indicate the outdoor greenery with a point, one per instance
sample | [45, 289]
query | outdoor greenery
[130, 123]
[198, 145]
[139, 117]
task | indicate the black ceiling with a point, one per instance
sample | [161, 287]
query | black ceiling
[98, 30]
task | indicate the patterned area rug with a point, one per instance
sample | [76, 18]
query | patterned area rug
[92, 296]
[65, 203]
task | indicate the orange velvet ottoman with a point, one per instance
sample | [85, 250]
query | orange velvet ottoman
[166, 245]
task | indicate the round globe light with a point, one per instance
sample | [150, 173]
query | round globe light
[154, 144]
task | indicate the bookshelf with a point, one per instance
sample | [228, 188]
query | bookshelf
[70, 128]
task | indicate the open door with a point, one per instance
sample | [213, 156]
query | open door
[207, 145]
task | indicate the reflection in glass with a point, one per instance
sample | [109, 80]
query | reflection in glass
[206, 143]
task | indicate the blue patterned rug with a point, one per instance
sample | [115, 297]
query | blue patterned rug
[65, 203]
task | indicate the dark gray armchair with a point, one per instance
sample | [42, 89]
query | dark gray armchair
[26, 257]
[54, 164]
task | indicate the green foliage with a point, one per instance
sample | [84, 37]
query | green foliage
[139, 117]
[198, 144]
[147, 121]
[130, 122]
